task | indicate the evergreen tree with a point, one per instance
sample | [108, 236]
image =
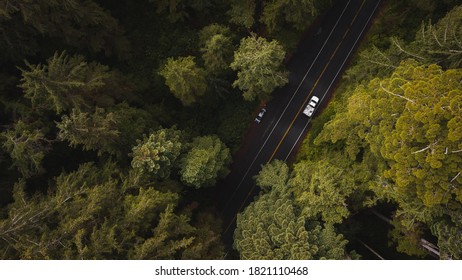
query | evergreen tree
[410, 122]
[156, 155]
[206, 161]
[185, 79]
[259, 67]
[298, 13]
[242, 13]
[272, 227]
[321, 190]
[27, 147]
[97, 131]
[95, 213]
[63, 83]
[216, 48]
[82, 24]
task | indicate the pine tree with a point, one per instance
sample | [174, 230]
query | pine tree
[205, 162]
[184, 79]
[259, 67]
[299, 13]
[156, 155]
[242, 13]
[97, 131]
[273, 228]
[27, 147]
[216, 48]
[63, 83]
[321, 190]
[84, 25]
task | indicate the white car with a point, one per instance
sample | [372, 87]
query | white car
[311, 105]
[260, 115]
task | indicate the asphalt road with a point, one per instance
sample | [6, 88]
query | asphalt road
[314, 68]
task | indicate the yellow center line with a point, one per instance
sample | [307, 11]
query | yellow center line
[315, 84]
[300, 110]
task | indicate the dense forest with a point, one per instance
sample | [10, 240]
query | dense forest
[118, 118]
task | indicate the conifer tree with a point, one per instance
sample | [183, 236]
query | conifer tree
[272, 227]
[259, 67]
[184, 79]
[97, 131]
[205, 162]
[63, 83]
[156, 155]
[27, 147]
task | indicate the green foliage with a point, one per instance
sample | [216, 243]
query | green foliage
[298, 13]
[449, 234]
[156, 155]
[409, 120]
[407, 238]
[185, 79]
[259, 67]
[64, 83]
[177, 10]
[272, 228]
[242, 13]
[87, 215]
[79, 24]
[216, 48]
[26, 146]
[274, 175]
[441, 43]
[433, 44]
[206, 161]
[97, 131]
[407, 126]
[321, 190]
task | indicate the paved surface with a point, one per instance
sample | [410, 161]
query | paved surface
[315, 67]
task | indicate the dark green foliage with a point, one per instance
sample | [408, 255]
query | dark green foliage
[184, 79]
[89, 216]
[97, 131]
[26, 146]
[298, 13]
[216, 47]
[206, 161]
[63, 83]
[82, 24]
[242, 13]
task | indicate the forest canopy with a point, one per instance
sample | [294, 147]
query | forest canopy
[120, 118]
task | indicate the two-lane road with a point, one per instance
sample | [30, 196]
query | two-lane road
[315, 67]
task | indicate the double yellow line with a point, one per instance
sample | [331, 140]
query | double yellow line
[316, 83]
[301, 108]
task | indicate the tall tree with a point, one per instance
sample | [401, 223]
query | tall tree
[259, 67]
[63, 83]
[82, 24]
[94, 213]
[27, 147]
[156, 155]
[97, 131]
[206, 161]
[185, 79]
[321, 190]
[298, 13]
[272, 227]
[216, 48]
[411, 123]
[242, 12]
[180, 10]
